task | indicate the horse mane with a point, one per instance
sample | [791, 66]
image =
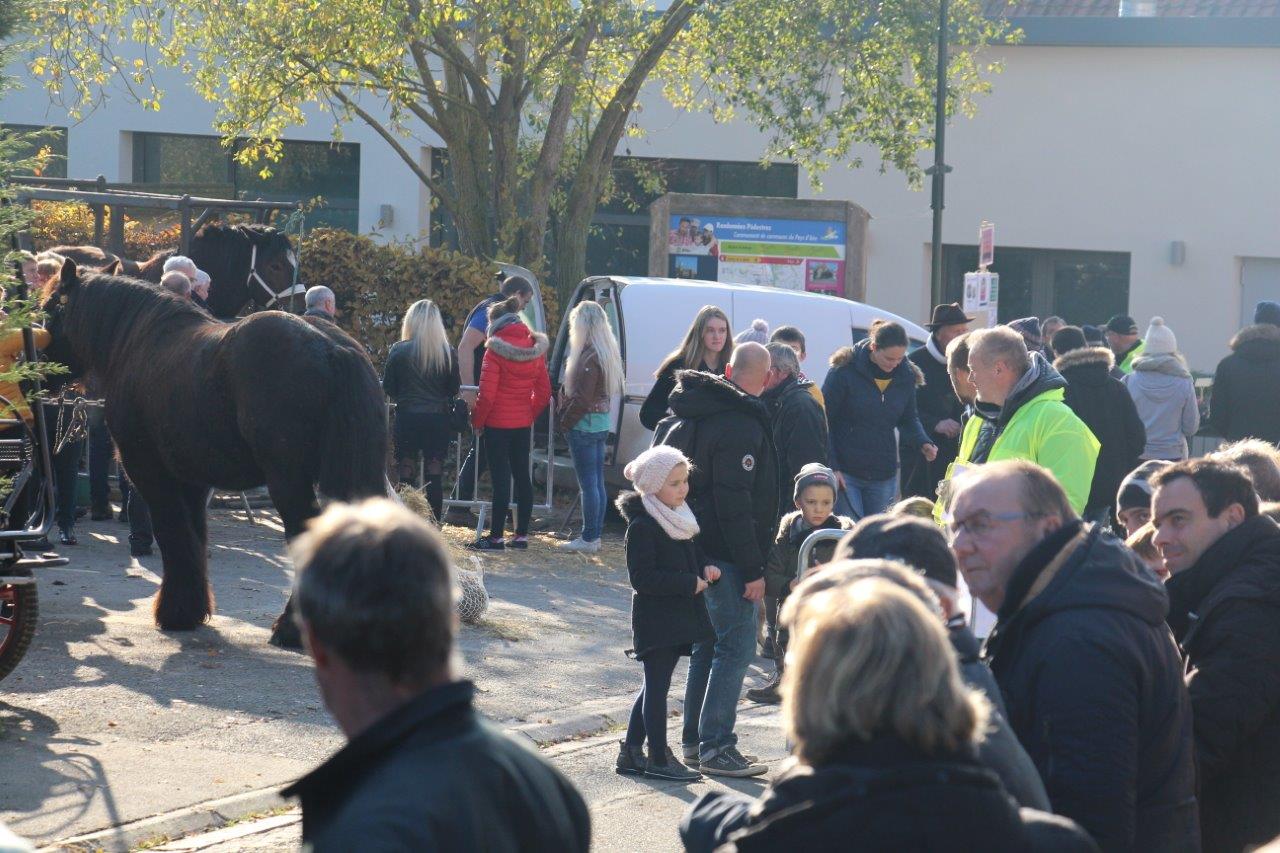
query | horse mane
[115, 316]
[153, 267]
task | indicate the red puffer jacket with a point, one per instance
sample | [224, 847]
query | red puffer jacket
[514, 384]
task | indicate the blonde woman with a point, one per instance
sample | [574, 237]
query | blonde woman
[422, 378]
[592, 377]
[707, 346]
[885, 732]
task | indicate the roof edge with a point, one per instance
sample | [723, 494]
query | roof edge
[1147, 32]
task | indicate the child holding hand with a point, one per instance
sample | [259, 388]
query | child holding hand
[668, 572]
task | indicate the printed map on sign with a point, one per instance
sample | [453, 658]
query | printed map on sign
[794, 254]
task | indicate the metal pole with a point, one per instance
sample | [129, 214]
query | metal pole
[939, 169]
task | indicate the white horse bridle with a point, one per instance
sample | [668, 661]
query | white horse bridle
[274, 297]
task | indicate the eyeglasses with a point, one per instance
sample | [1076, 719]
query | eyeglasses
[980, 525]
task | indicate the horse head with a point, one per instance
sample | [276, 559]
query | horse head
[56, 307]
[246, 264]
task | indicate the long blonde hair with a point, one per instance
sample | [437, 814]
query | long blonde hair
[867, 659]
[589, 327]
[424, 329]
[692, 351]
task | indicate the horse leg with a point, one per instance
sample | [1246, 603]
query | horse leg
[295, 500]
[185, 600]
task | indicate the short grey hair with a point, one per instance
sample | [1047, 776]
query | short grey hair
[317, 295]
[182, 264]
[1260, 458]
[375, 587]
[1040, 494]
[176, 282]
[1000, 344]
[782, 357]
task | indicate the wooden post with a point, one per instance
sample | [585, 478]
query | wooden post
[97, 225]
[184, 211]
[115, 230]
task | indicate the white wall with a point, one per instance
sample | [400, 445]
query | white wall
[1113, 149]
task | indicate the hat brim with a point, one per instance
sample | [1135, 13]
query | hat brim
[933, 327]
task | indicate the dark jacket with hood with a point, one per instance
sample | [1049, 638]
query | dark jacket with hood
[1244, 401]
[666, 609]
[861, 420]
[658, 402]
[936, 401]
[1093, 685]
[874, 797]
[434, 775]
[733, 490]
[799, 433]
[1104, 404]
[1225, 613]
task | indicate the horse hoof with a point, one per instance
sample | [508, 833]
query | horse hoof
[285, 639]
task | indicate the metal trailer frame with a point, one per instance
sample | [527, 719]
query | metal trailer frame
[807, 546]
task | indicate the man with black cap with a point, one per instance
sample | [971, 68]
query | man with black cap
[1244, 403]
[1122, 337]
[939, 408]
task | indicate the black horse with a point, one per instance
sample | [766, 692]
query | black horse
[247, 265]
[193, 403]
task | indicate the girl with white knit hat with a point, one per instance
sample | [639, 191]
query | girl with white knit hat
[1162, 389]
[669, 573]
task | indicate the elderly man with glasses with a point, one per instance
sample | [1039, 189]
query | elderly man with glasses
[1090, 674]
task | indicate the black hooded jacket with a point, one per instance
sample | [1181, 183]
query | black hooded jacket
[936, 401]
[666, 609]
[799, 433]
[1244, 402]
[1093, 685]
[733, 490]
[1104, 404]
[1225, 613]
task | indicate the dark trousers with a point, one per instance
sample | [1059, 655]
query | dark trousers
[649, 713]
[426, 433]
[140, 535]
[66, 472]
[508, 452]
[100, 453]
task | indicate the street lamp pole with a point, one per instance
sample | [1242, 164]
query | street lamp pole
[939, 168]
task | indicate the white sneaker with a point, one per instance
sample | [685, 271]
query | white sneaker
[580, 546]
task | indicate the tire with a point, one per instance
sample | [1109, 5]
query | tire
[19, 612]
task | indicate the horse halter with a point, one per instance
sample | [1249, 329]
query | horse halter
[273, 296]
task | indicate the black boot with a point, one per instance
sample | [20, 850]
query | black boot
[630, 760]
[768, 694]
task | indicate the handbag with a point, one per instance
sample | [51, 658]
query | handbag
[459, 415]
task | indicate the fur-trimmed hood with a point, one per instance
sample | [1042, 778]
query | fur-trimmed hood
[517, 343]
[1085, 356]
[860, 356]
[630, 506]
[1259, 342]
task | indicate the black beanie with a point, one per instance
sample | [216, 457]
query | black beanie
[1068, 338]
[914, 541]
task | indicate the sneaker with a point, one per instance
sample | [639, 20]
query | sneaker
[520, 543]
[691, 755]
[484, 543]
[580, 546]
[631, 760]
[768, 694]
[670, 768]
[730, 762]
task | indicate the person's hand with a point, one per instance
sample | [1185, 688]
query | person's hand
[930, 451]
[792, 584]
[468, 397]
[754, 591]
[700, 587]
[711, 573]
[949, 427]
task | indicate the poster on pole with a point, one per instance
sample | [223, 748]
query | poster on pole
[982, 297]
[986, 245]
[793, 254]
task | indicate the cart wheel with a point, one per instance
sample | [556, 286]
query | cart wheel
[19, 610]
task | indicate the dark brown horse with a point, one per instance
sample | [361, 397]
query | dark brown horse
[247, 265]
[193, 403]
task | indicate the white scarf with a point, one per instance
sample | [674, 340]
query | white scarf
[679, 523]
[932, 346]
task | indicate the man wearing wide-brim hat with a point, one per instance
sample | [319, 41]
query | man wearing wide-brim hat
[939, 408]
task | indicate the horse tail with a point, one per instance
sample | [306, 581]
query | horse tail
[353, 439]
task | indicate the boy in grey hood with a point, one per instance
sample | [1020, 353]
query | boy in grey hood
[1163, 391]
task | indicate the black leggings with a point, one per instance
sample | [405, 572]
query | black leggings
[428, 433]
[508, 453]
[649, 714]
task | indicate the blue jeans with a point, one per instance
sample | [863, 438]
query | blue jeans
[587, 450]
[860, 498]
[716, 670]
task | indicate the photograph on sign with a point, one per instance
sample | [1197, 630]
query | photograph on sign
[792, 254]
[986, 244]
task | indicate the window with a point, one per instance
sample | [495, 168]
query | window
[202, 166]
[51, 140]
[1081, 287]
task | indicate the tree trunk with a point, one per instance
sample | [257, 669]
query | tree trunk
[571, 254]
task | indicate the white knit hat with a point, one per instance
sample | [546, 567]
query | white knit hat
[1159, 339]
[759, 333]
[649, 470]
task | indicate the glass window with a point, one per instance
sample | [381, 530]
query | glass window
[50, 140]
[778, 180]
[618, 250]
[1090, 287]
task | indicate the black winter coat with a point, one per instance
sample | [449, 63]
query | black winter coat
[1225, 612]
[878, 797]
[1107, 409]
[936, 401]
[861, 420]
[799, 433]
[733, 490]
[658, 402]
[1093, 684]
[1244, 401]
[664, 572]
[414, 391]
[434, 776]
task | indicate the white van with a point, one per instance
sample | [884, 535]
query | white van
[651, 315]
